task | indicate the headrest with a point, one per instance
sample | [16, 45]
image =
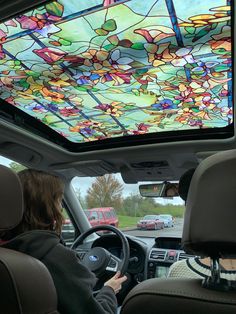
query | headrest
[210, 216]
[184, 183]
[11, 199]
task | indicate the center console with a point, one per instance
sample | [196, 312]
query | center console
[164, 252]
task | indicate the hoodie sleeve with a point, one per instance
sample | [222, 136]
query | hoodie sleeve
[105, 302]
[74, 284]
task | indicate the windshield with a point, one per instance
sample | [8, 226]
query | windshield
[110, 201]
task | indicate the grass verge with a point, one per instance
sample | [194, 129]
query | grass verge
[127, 221]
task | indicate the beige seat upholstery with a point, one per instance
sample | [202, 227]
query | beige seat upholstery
[26, 286]
[209, 230]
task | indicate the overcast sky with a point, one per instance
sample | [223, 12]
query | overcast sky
[84, 183]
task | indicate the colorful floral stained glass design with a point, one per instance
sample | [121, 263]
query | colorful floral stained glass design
[93, 70]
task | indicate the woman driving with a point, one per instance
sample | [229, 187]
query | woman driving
[38, 235]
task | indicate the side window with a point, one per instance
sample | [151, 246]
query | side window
[113, 214]
[94, 215]
[100, 215]
[15, 166]
[108, 215]
[68, 232]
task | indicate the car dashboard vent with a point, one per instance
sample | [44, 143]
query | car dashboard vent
[158, 255]
[184, 256]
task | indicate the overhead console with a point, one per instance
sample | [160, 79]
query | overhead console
[163, 253]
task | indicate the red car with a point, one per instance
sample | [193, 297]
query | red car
[150, 222]
[102, 216]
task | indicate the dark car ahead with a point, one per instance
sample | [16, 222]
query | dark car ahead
[149, 222]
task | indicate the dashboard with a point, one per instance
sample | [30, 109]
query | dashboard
[162, 255]
[168, 243]
[149, 257]
[146, 261]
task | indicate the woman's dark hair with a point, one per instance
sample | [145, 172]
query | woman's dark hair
[184, 183]
[43, 194]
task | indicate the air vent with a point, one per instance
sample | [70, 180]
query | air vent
[158, 255]
[184, 256]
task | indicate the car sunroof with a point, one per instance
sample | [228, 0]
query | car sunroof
[95, 70]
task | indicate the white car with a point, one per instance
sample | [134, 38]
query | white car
[167, 219]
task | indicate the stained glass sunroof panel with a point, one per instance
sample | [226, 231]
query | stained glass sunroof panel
[93, 70]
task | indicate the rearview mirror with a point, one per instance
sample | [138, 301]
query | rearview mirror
[164, 189]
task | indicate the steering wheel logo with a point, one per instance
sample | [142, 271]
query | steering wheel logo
[93, 258]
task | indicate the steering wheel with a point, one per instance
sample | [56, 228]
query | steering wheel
[98, 259]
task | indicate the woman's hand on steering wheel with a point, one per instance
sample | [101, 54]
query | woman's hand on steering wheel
[115, 282]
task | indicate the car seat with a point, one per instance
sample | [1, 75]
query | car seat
[26, 285]
[209, 230]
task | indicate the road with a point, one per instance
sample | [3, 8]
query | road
[175, 231]
[149, 235]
